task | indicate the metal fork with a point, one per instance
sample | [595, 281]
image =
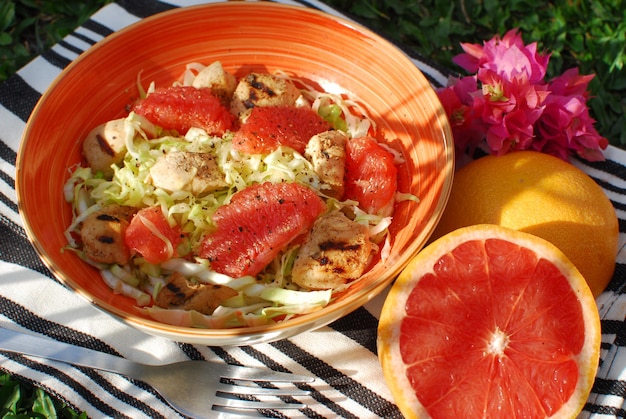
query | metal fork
[194, 388]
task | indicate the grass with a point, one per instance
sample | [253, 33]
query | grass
[590, 35]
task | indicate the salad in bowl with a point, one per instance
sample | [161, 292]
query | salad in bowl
[221, 202]
[227, 183]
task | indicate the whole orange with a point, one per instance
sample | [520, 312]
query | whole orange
[542, 195]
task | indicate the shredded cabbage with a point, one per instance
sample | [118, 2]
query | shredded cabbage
[271, 296]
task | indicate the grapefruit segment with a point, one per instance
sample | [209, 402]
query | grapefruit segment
[269, 127]
[257, 223]
[371, 176]
[180, 108]
[151, 235]
[489, 322]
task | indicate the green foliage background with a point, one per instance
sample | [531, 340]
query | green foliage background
[590, 35]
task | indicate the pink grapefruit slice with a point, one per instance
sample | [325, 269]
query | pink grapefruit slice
[488, 322]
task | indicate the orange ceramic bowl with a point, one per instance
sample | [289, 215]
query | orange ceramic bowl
[338, 55]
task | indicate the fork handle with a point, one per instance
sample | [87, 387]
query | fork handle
[27, 344]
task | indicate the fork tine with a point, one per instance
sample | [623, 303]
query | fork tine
[230, 413]
[255, 405]
[235, 372]
[260, 391]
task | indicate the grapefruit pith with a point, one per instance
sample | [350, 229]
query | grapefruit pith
[489, 322]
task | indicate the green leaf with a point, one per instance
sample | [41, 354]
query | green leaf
[44, 405]
[7, 15]
[5, 39]
[10, 395]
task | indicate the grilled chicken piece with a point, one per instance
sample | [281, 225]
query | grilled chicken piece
[102, 234]
[104, 146]
[197, 173]
[221, 82]
[335, 253]
[258, 89]
[327, 152]
[180, 293]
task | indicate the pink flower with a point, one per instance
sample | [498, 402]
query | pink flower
[506, 56]
[463, 110]
[566, 127]
[512, 106]
[571, 83]
[508, 104]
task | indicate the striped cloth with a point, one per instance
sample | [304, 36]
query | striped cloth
[342, 355]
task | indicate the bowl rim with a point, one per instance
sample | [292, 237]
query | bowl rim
[331, 312]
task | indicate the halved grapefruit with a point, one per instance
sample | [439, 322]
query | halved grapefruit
[489, 322]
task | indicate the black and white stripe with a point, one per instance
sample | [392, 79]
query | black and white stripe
[342, 355]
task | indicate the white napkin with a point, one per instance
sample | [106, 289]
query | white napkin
[342, 355]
